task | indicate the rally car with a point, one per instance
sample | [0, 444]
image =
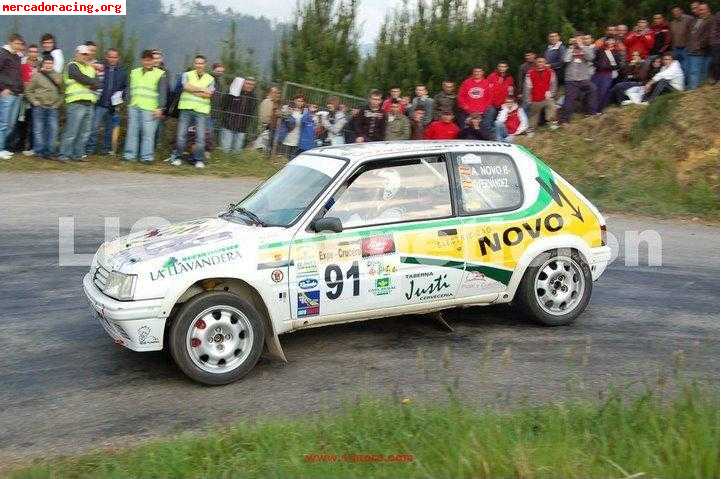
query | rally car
[351, 233]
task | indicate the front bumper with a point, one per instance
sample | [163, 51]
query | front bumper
[599, 260]
[137, 325]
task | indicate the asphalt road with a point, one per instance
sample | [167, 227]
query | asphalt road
[64, 386]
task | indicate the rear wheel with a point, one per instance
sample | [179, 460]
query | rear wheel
[556, 288]
[216, 338]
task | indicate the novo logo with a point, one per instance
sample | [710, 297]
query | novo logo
[513, 235]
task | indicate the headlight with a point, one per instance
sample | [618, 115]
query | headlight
[120, 286]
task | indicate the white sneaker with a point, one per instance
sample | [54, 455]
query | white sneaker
[644, 103]
[5, 155]
[176, 162]
[199, 164]
[554, 126]
[28, 153]
[626, 102]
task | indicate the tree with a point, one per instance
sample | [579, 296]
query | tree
[320, 47]
[114, 36]
[237, 62]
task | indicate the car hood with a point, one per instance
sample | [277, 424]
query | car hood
[195, 239]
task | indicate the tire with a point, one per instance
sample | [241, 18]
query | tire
[546, 301]
[216, 338]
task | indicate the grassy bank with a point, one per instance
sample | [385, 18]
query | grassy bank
[248, 163]
[661, 159]
[647, 436]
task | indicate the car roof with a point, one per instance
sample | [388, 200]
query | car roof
[385, 149]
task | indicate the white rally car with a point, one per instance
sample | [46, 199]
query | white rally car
[351, 233]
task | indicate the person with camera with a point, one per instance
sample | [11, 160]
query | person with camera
[579, 69]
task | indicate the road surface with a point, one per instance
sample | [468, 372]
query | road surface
[67, 388]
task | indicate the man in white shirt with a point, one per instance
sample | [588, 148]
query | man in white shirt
[667, 80]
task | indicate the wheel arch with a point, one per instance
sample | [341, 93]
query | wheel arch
[537, 248]
[241, 288]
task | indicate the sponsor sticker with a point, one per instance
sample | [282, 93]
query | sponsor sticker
[308, 283]
[382, 286]
[306, 268]
[276, 276]
[377, 245]
[345, 250]
[424, 289]
[378, 267]
[174, 267]
[308, 303]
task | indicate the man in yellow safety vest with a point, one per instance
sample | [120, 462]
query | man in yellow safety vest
[146, 99]
[80, 83]
[194, 107]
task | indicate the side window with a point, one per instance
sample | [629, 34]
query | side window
[392, 192]
[487, 182]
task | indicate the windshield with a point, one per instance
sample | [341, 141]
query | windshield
[287, 194]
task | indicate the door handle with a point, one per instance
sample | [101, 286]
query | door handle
[448, 232]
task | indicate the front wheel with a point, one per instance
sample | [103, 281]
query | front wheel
[216, 338]
[556, 288]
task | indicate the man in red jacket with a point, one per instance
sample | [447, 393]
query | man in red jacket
[641, 39]
[474, 96]
[443, 129]
[539, 91]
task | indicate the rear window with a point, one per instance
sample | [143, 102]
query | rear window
[487, 182]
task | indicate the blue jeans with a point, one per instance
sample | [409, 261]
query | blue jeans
[231, 140]
[696, 74]
[78, 124]
[502, 133]
[45, 130]
[185, 118]
[106, 116]
[141, 130]
[9, 107]
[603, 82]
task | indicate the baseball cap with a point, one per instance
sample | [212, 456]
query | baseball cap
[82, 49]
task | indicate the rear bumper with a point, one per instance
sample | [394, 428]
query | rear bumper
[598, 261]
[137, 325]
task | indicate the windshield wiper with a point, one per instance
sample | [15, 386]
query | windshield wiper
[244, 211]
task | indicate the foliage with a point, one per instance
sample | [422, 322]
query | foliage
[642, 436]
[237, 61]
[114, 36]
[320, 48]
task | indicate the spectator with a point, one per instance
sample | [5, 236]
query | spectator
[219, 102]
[610, 33]
[555, 55]
[578, 78]
[680, 28]
[644, 70]
[80, 85]
[308, 128]
[370, 123]
[474, 130]
[540, 89]
[641, 40]
[621, 32]
[194, 107]
[501, 85]
[22, 136]
[474, 96]
[511, 121]
[147, 94]
[239, 106]
[661, 35]
[50, 50]
[422, 98]
[269, 110]
[443, 129]
[395, 94]
[668, 79]
[30, 63]
[45, 95]
[11, 89]
[416, 121]
[529, 61]
[694, 8]
[398, 127]
[587, 41]
[697, 47]
[446, 99]
[289, 127]
[334, 120]
[114, 83]
[93, 49]
[607, 63]
[171, 102]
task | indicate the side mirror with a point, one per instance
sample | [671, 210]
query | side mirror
[327, 224]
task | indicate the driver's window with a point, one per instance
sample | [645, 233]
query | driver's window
[410, 190]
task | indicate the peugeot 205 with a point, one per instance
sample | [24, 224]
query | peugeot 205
[351, 233]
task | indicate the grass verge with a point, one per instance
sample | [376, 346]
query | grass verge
[642, 437]
[248, 163]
